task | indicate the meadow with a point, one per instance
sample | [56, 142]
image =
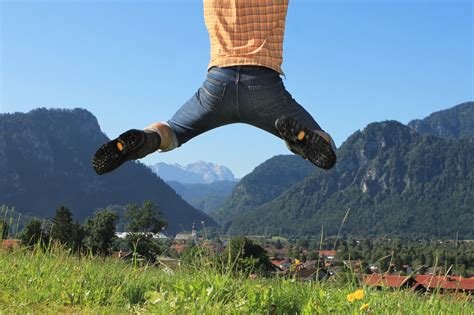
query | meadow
[56, 281]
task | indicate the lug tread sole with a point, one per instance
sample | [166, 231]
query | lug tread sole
[108, 157]
[314, 147]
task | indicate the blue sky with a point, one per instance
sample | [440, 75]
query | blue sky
[130, 63]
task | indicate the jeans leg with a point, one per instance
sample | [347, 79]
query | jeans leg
[263, 103]
[207, 109]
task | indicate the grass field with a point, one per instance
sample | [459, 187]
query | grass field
[38, 282]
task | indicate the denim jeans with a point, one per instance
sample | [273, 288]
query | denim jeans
[240, 94]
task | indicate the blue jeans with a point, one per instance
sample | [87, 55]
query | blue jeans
[239, 94]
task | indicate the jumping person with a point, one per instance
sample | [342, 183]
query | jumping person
[243, 85]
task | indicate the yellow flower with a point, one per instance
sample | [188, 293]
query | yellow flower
[351, 297]
[356, 295]
[364, 306]
[359, 294]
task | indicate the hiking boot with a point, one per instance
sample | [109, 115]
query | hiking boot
[310, 144]
[130, 145]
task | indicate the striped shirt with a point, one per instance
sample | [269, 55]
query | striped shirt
[246, 32]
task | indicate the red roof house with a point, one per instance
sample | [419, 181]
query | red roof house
[451, 283]
[10, 244]
[329, 254]
[389, 281]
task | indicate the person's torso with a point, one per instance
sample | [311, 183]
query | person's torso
[246, 32]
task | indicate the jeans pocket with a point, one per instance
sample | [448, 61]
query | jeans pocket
[269, 99]
[211, 93]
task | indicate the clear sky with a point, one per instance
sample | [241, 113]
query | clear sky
[132, 62]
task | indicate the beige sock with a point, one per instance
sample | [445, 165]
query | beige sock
[166, 134]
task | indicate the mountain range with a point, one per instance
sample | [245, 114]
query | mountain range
[395, 179]
[196, 173]
[45, 161]
[390, 179]
[205, 197]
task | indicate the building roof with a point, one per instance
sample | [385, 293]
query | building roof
[10, 244]
[281, 264]
[327, 253]
[125, 234]
[446, 282]
[184, 236]
[390, 281]
[310, 273]
[178, 248]
[426, 281]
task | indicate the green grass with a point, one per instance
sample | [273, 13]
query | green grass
[58, 282]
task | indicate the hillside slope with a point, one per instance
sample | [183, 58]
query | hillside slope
[45, 161]
[266, 182]
[205, 197]
[452, 123]
[394, 180]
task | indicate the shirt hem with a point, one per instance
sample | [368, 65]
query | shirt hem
[243, 62]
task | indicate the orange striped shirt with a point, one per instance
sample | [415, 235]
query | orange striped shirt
[246, 32]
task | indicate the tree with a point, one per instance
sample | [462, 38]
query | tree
[245, 255]
[144, 221]
[148, 218]
[100, 231]
[33, 233]
[65, 231]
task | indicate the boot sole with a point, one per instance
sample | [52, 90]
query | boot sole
[314, 147]
[116, 152]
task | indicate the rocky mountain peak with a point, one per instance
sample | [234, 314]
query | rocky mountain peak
[452, 123]
[196, 173]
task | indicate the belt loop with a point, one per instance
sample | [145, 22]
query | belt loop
[237, 78]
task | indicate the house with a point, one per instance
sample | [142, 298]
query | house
[178, 247]
[327, 254]
[334, 270]
[444, 283]
[123, 235]
[10, 244]
[310, 274]
[389, 281]
[185, 237]
[374, 269]
[283, 264]
[421, 282]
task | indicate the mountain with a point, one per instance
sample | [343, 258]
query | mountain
[394, 180]
[195, 173]
[453, 123]
[45, 161]
[205, 197]
[266, 182]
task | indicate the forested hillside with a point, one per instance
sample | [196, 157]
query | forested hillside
[266, 182]
[456, 122]
[394, 180]
[45, 161]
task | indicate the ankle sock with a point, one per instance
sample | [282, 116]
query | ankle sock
[153, 139]
[152, 143]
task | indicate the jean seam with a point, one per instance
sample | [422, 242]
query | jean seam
[217, 98]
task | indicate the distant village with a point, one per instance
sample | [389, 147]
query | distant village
[325, 265]
[307, 263]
